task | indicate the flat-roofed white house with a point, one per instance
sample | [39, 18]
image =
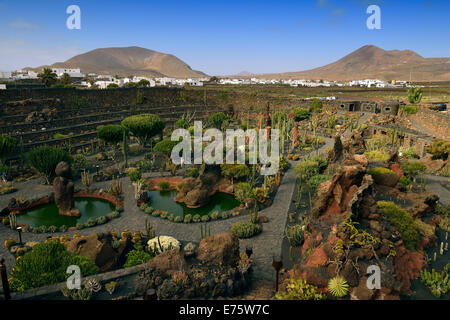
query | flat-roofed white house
[5, 74]
[73, 73]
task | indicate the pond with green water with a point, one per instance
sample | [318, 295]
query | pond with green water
[163, 200]
[47, 215]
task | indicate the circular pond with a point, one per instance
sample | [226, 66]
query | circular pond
[163, 200]
[47, 215]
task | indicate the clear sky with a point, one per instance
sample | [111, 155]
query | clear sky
[222, 37]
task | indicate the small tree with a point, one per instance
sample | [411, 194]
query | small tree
[48, 77]
[301, 114]
[65, 79]
[143, 83]
[144, 126]
[415, 95]
[165, 147]
[217, 119]
[413, 168]
[245, 193]
[7, 145]
[111, 133]
[234, 171]
[45, 159]
[182, 123]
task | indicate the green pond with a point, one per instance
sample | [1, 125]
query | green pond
[163, 200]
[47, 214]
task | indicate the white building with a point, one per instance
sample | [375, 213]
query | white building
[5, 74]
[73, 73]
[2, 86]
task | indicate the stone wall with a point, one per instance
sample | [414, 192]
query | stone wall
[434, 121]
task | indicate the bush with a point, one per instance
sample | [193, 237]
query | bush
[314, 182]
[193, 172]
[181, 123]
[405, 181]
[245, 229]
[111, 133]
[136, 257]
[143, 206]
[298, 289]
[316, 106]
[144, 126]
[178, 219]
[306, 169]
[413, 168]
[80, 225]
[403, 221]
[407, 152]
[101, 220]
[243, 192]
[217, 119]
[52, 229]
[63, 228]
[79, 161]
[164, 185]
[47, 264]
[301, 114]
[224, 215]
[164, 214]
[439, 149]
[196, 218]
[156, 213]
[7, 145]
[205, 218]
[374, 172]
[214, 215]
[135, 175]
[188, 218]
[410, 109]
[170, 217]
[234, 171]
[45, 159]
[377, 155]
[165, 146]
[90, 222]
[149, 210]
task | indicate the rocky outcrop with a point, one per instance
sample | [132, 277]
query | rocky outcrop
[64, 189]
[356, 144]
[407, 266]
[344, 191]
[220, 249]
[196, 191]
[98, 248]
[169, 261]
[335, 154]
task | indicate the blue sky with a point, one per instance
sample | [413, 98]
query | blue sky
[222, 37]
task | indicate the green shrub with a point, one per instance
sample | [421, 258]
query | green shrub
[243, 192]
[165, 146]
[374, 172]
[440, 149]
[45, 159]
[188, 218]
[314, 182]
[403, 221]
[217, 119]
[316, 106]
[410, 109]
[47, 264]
[149, 210]
[306, 169]
[193, 172]
[135, 175]
[413, 168]
[80, 225]
[405, 181]
[52, 229]
[111, 133]
[298, 289]
[7, 145]
[170, 217]
[155, 213]
[407, 152]
[301, 114]
[164, 186]
[245, 229]
[178, 219]
[234, 171]
[214, 215]
[136, 257]
[164, 214]
[205, 218]
[224, 215]
[143, 206]
[101, 220]
[196, 218]
[79, 161]
[63, 228]
[377, 155]
[144, 126]
[181, 123]
[90, 222]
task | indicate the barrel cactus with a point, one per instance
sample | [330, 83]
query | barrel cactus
[338, 287]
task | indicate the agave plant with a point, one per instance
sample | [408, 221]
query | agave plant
[338, 287]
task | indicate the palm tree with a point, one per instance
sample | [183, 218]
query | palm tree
[65, 79]
[47, 76]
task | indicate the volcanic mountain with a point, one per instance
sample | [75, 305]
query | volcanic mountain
[373, 62]
[126, 61]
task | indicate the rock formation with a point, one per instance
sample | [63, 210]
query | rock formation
[220, 250]
[64, 189]
[196, 191]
